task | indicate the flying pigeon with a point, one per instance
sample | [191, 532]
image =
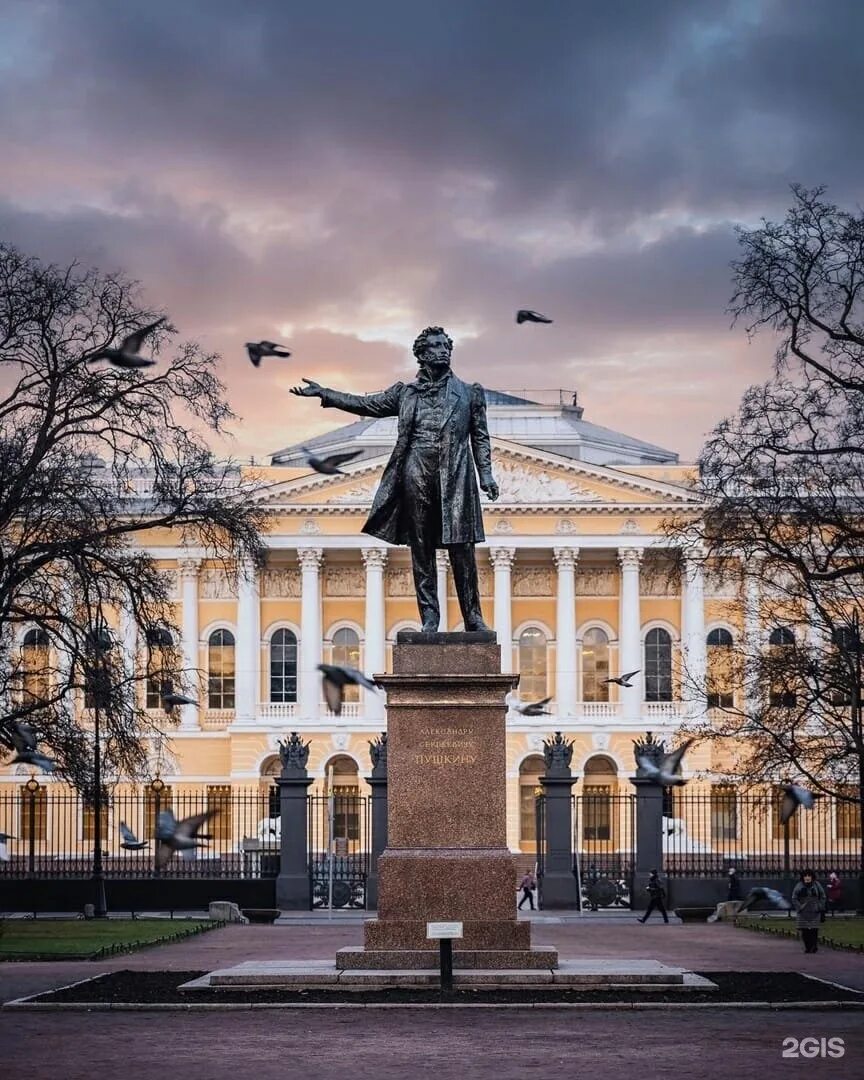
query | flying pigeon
[170, 700]
[127, 355]
[770, 897]
[259, 349]
[526, 315]
[793, 797]
[623, 680]
[4, 850]
[534, 708]
[23, 739]
[329, 465]
[668, 772]
[182, 836]
[130, 840]
[334, 681]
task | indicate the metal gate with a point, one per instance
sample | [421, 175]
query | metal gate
[340, 839]
[604, 848]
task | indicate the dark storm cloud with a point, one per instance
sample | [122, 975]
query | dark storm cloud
[338, 165]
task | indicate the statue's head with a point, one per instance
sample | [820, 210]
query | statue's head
[433, 348]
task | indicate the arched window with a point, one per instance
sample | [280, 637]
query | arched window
[220, 670]
[601, 783]
[847, 643]
[159, 644]
[283, 665]
[346, 801]
[720, 675]
[532, 664]
[35, 664]
[658, 665]
[98, 645]
[346, 653]
[595, 665]
[530, 771]
[781, 693]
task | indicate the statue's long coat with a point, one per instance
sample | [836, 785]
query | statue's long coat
[464, 432]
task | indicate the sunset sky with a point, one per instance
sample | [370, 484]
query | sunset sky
[337, 174]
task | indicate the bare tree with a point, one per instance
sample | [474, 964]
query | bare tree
[93, 460]
[783, 497]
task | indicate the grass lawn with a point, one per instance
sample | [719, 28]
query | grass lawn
[848, 932]
[77, 938]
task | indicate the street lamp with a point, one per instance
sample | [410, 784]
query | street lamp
[157, 786]
[31, 787]
[100, 644]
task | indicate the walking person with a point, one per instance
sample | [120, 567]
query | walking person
[835, 892]
[808, 900]
[656, 896]
[528, 884]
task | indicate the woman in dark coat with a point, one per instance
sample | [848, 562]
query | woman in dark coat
[808, 900]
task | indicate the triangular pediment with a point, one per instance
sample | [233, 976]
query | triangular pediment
[526, 478]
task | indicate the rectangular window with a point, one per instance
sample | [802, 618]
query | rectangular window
[724, 812]
[89, 823]
[847, 816]
[527, 814]
[720, 701]
[219, 799]
[346, 812]
[597, 812]
[220, 686]
[38, 816]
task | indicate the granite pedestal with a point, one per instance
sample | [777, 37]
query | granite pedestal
[446, 858]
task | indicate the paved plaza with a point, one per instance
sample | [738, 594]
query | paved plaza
[385, 1043]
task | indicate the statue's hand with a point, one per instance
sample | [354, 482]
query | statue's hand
[311, 389]
[491, 488]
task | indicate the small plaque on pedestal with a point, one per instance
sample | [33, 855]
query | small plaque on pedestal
[437, 930]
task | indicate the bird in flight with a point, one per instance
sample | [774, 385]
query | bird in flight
[259, 349]
[770, 897]
[623, 680]
[130, 841]
[128, 356]
[668, 771]
[526, 315]
[329, 465]
[182, 836]
[23, 739]
[336, 678]
[170, 699]
[794, 796]
[534, 708]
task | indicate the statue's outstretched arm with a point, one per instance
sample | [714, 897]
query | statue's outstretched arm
[480, 444]
[386, 403]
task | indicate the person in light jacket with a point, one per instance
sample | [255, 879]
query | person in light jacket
[835, 892]
[808, 901]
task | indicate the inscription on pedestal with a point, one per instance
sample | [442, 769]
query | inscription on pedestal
[441, 746]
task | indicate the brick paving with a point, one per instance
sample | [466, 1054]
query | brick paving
[396, 1044]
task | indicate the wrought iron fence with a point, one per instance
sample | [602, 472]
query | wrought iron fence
[707, 833]
[604, 848]
[340, 842]
[51, 832]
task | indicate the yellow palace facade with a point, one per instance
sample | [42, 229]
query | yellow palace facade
[574, 578]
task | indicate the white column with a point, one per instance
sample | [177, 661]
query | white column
[310, 560]
[248, 673]
[695, 658]
[375, 632]
[629, 633]
[189, 714]
[502, 562]
[442, 561]
[565, 632]
[127, 631]
[752, 638]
